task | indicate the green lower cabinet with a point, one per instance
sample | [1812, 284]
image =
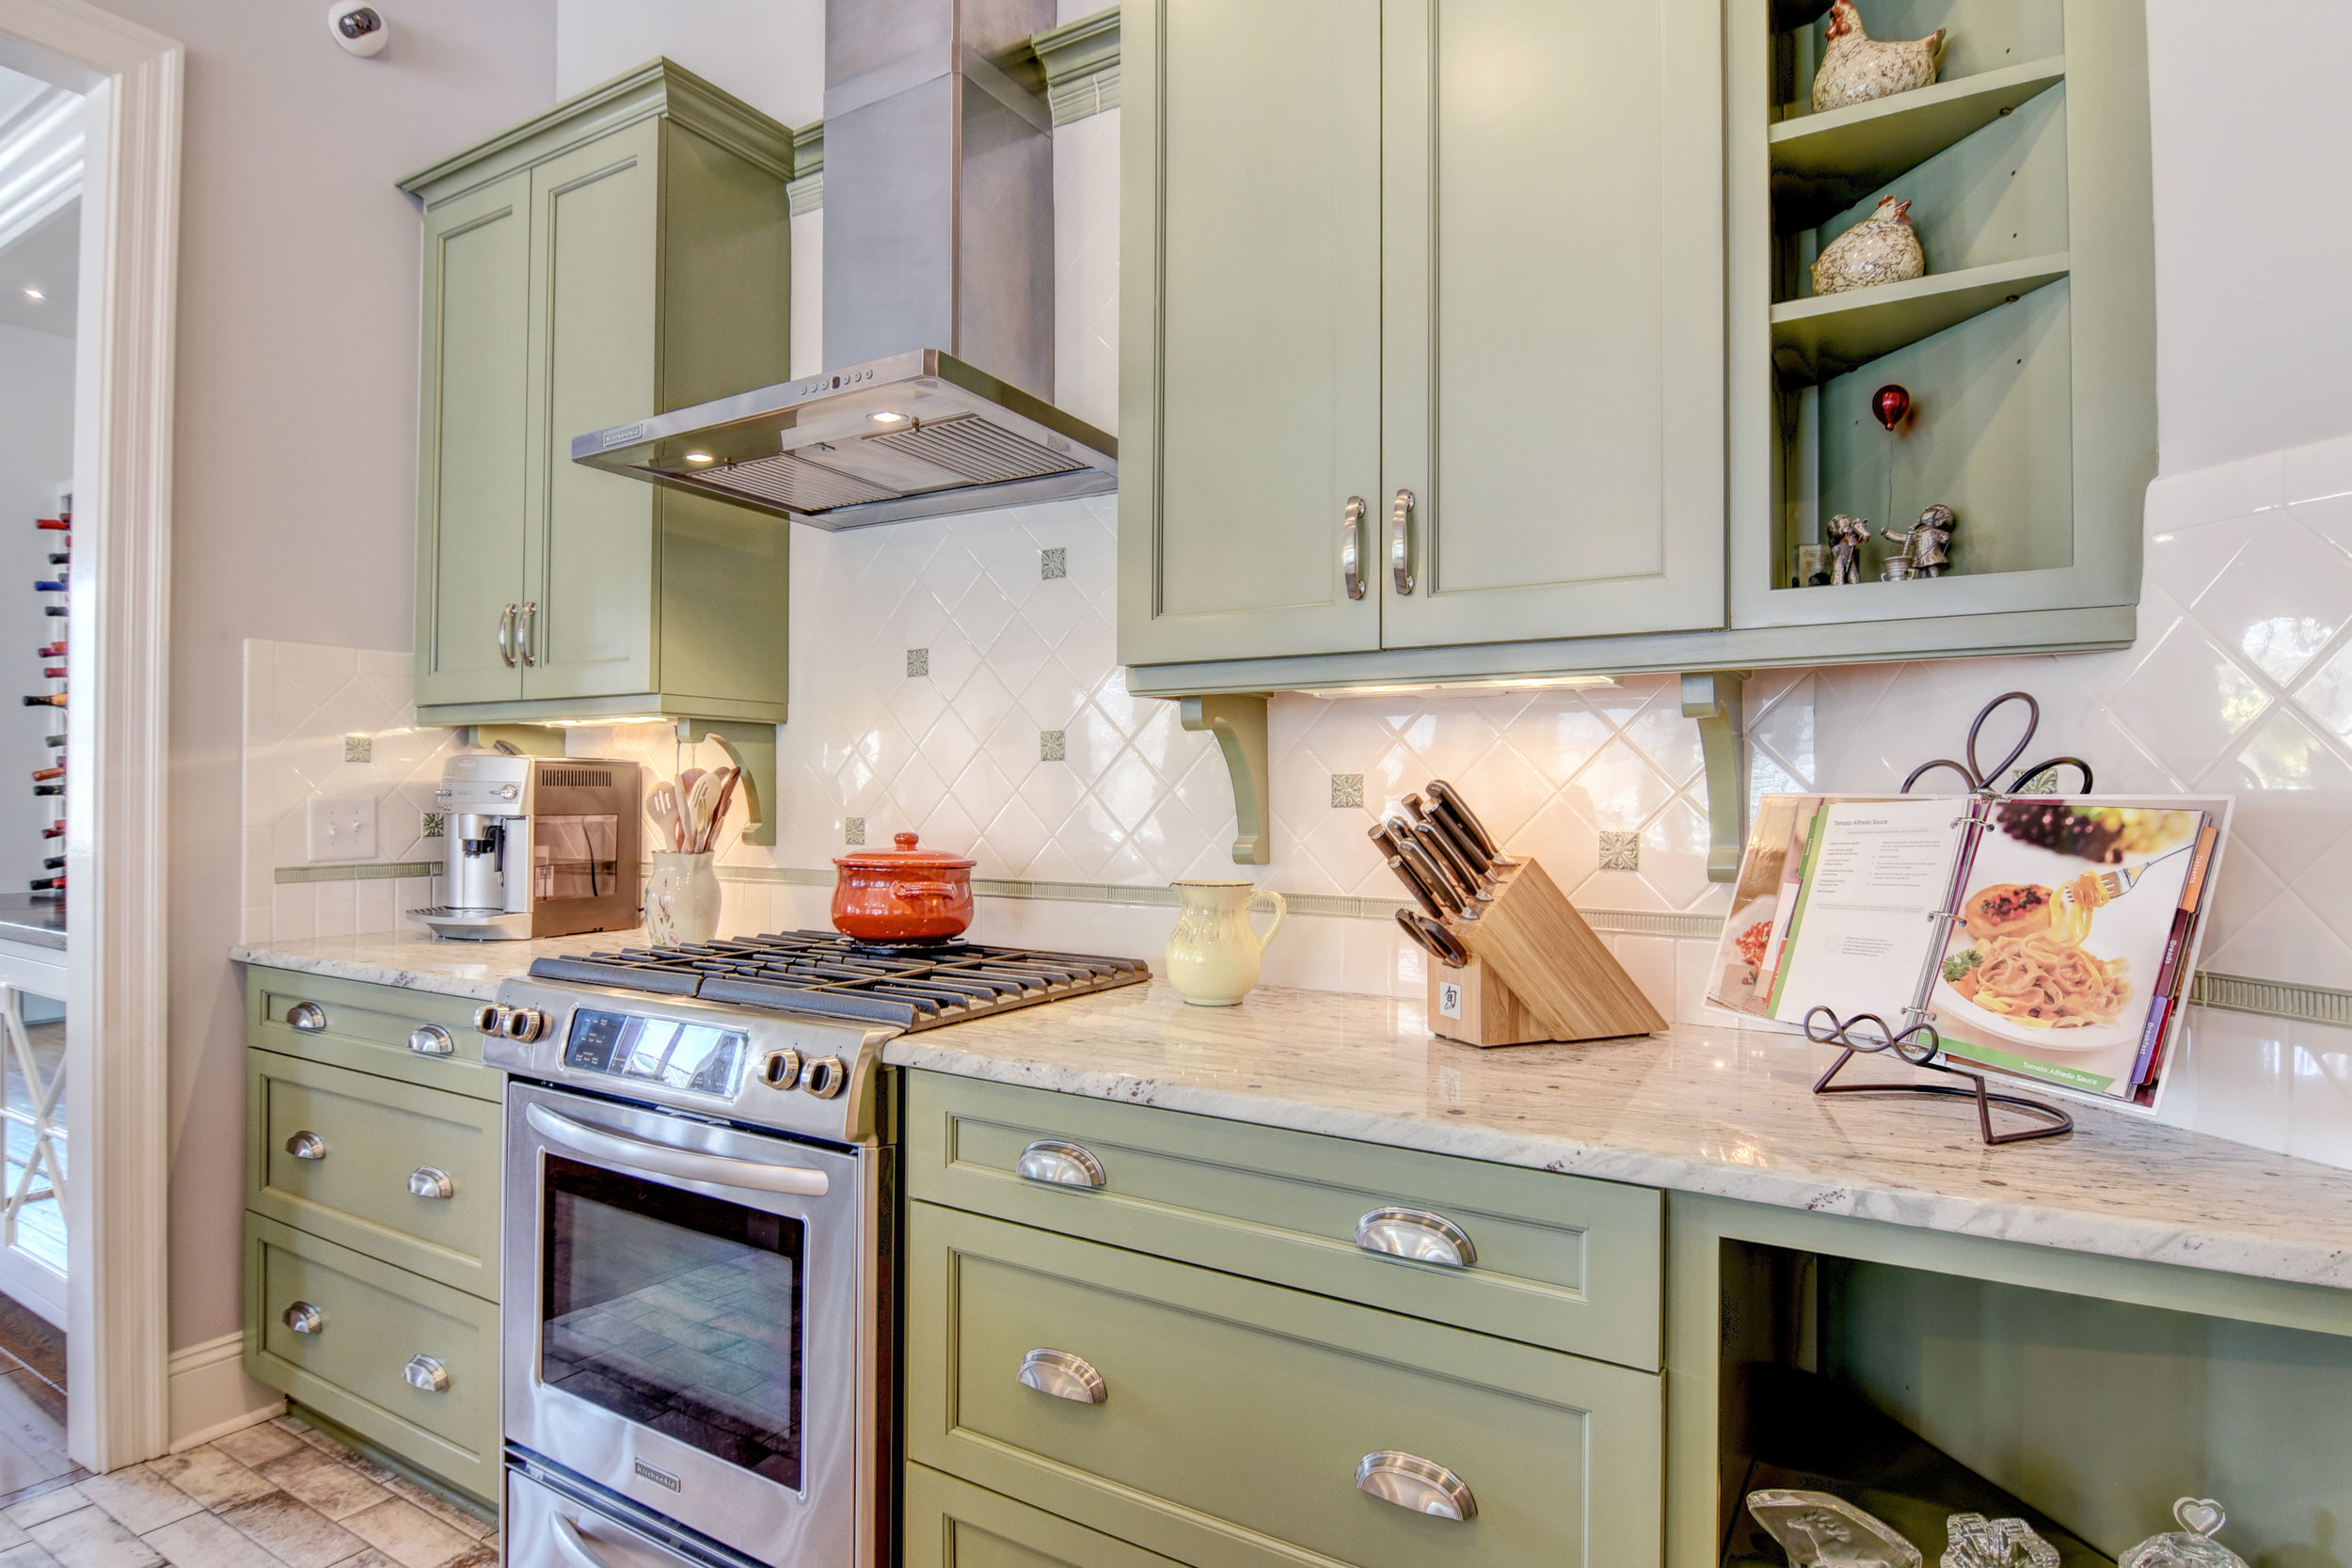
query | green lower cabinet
[953, 1523]
[1235, 1414]
[338, 1331]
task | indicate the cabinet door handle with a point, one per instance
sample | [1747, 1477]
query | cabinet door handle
[1058, 1164]
[1416, 1234]
[1416, 1483]
[1401, 542]
[308, 1017]
[424, 1373]
[302, 1318]
[1063, 1375]
[1352, 545]
[430, 1039]
[506, 636]
[307, 1145]
[430, 1181]
[527, 640]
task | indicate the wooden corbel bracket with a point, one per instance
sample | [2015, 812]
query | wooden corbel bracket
[1238, 722]
[1714, 698]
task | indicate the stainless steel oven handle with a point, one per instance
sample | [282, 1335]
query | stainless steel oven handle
[684, 1164]
[574, 1550]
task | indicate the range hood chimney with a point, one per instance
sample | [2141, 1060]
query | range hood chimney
[939, 295]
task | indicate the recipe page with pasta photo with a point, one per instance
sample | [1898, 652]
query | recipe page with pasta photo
[2070, 936]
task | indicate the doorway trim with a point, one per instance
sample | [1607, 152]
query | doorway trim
[118, 1301]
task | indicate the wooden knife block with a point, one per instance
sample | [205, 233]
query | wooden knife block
[1536, 972]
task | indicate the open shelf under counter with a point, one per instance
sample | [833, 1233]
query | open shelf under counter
[1845, 153]
[1816, 340]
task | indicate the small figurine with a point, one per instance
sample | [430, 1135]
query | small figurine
[1927, 544]
[1847, 535]
[1880, 249]
[1972, 1541]
[1857, 68]
[1896, 568]
[1819, 1529]
[2193, 1546]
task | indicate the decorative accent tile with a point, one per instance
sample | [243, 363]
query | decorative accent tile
[431, 825]
[358, 748]
[1053, 564]
[1053, 746]
[1620, 851]
[918, 661]
[1347, 791]
[853, 830]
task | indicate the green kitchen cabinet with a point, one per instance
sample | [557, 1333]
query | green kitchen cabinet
[624, 254]
[1439, 288]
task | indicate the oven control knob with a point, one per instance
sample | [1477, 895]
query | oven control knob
[827, 1077]
[490, 1018]
[782, 1069]
[525, 1024]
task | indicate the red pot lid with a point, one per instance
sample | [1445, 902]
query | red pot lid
[904, 858]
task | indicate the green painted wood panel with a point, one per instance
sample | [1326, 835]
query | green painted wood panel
[1237, 1412]
[1250, 326]
[596, 228]
[376, 1132]
[953, 1523]
[1563, 1261]
[376, 1317]
[471, 454]
[368, 1028]
[1553, 336]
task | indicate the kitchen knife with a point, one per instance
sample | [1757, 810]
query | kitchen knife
[1386, 842]
[1438, 883]
[1452, 806]
[1432, 838]
[1434, 940]
[1471, 855]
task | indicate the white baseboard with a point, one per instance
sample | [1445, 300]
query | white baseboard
[211, 1396]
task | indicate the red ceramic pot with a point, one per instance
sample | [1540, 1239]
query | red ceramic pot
[902, 894]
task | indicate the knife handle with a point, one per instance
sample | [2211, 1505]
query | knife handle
[1434, 940]
[1464, 844]
[1433, 839]
[1451, 805]
[1392, 852]
[1418, 858]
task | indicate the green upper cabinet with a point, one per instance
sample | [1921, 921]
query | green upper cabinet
[624, 254]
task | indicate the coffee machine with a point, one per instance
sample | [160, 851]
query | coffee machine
[536, 847]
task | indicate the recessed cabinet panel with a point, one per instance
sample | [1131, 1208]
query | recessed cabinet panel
[1263, 417]
[1554, 340]
[594, 344]
[477, 267]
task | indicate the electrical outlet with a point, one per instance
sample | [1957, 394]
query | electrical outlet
[342, 827]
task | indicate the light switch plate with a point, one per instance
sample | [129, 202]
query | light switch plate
[342, 827]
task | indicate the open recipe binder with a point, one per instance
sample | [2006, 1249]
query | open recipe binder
[2045, 937]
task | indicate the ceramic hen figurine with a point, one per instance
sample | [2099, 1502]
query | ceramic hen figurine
[1880, 249]
[1857, 68]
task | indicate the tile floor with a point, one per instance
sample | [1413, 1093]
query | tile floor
[275, 1495]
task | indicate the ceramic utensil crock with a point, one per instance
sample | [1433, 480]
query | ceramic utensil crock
[1213, 954]
[902, 894]
[681, 900]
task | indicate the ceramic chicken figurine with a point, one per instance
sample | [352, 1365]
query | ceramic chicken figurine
[1880, 249]
[1857, 68]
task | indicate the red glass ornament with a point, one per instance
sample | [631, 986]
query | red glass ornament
[1890, 403]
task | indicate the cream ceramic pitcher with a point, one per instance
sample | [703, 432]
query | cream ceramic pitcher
[1213, 954]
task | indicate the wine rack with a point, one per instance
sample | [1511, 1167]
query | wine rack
[49, 779]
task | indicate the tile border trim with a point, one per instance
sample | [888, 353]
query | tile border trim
[364, 871]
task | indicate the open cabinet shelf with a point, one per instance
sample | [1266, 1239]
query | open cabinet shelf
[1815, 339]
[1840, 154]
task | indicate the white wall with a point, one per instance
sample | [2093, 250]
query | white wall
[769, 52]
[36, 456]
[2253, 222]
[296, 451]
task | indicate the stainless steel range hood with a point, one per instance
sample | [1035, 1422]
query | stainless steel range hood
[939, 296]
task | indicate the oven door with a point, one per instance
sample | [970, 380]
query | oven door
[691, 1322]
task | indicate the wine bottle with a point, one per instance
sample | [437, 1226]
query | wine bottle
[42, 775]
[55, 699]
[49, 789]
[58, 558]
[56, 610]
[46, 884]
[55, 525]
[49, 586]
[55, 863]
[55, 830]
[53, 650]
[53, 672]
[57, 743]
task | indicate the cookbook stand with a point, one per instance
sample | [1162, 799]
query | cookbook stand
[1918, 1043]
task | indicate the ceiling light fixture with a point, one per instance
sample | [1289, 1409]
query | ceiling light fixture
[699, 457]
[35, 293]
[886, 417]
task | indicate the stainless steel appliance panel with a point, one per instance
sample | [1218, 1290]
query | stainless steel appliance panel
[547, 1529]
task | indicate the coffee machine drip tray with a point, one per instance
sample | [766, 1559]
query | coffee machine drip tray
[474, 925]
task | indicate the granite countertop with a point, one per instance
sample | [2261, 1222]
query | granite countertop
[35, 922]
[1725, 1111]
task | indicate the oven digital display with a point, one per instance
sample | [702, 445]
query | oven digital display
[696, 1057]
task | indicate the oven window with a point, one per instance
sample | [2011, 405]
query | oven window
[676, 1311]
[575, 857]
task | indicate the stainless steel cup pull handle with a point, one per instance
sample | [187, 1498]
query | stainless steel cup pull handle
[527, 640]
[574, 1546]
[506, 636]
[1060, 1163]
[424, 1373]
[1417, 1235]
[307, 1145]
[308, 1017]
[430, 1039]
[1401, 542]
[430, 1181]
[1063, 1375]
[302, 1318]
[1418, 1484]
[1352, 545]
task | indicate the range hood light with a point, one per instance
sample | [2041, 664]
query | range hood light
[886, 417]
[700, 457]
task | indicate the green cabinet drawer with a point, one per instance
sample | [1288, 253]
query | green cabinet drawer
[1236, 1414]
[370, 1029]
[373, 1318]
[366, 1138]
[954, 1523]
[1561, 1261]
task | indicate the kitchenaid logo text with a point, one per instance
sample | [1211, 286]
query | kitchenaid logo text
[661, 1478]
